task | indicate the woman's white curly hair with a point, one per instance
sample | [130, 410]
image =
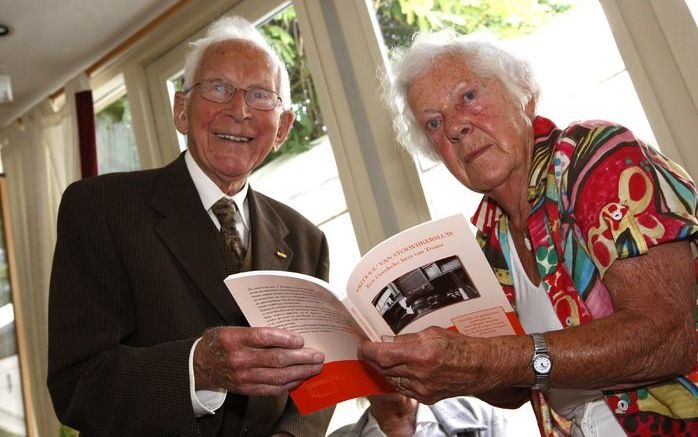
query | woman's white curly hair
[484, 56]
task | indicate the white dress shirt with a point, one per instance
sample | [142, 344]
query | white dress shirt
[452, 417]
[208, 401]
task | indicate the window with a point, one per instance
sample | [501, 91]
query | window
[116, 144]
[552, 38]
[316, 194]
[12, 422]
[693, 7]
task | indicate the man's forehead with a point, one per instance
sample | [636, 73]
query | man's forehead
[242, 52]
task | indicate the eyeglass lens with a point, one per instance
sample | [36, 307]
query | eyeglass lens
[223, 92]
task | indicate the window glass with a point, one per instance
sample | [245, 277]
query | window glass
[12, 422]
[693, 7]
[303, 173]
[116, 144]
[570, 46]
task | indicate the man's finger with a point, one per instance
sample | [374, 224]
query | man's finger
[260, 337]
[385, 355]
[274, 358]
[279, 377]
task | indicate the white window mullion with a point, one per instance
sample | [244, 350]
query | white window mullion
[661, 69]
[380, 181]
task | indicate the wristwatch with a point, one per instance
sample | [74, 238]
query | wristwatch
[541, 362]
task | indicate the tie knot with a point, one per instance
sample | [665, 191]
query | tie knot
[225, 210]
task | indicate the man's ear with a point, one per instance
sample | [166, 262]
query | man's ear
[285, 124]
[179, 112]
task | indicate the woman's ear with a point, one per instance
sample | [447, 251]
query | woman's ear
[179, 113]
[530, 108]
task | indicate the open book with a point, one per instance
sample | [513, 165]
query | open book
[433, 274]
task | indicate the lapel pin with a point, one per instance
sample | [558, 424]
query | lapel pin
[280, 254]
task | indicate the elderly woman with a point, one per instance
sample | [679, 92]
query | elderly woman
[590, 233]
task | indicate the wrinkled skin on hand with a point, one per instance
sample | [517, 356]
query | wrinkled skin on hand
[396, 414]
[253, 361]
[437, 363]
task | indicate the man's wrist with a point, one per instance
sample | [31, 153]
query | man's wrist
[396, 424]
[204, 402]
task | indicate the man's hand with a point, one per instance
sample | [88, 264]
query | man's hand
[253, 361]
[396, 414]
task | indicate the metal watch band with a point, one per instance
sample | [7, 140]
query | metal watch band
[540, 353]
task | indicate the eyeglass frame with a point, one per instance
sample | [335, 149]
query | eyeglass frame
[278, 101]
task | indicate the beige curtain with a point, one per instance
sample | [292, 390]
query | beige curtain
[40, 159]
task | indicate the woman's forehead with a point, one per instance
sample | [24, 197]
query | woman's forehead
[445, 68]
[445, 73]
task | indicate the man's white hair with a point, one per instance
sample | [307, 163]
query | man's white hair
[484, 57]
[235, 29]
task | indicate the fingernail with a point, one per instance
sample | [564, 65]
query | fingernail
[318, 358]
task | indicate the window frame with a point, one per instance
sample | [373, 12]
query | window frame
[380, 182]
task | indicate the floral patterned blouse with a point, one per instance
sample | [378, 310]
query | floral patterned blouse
[599, 194]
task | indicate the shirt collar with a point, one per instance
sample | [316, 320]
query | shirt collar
[425, 415]
[424, 418]
[209, 192]
[545, 134]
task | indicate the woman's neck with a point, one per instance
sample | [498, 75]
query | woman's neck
[512, 198]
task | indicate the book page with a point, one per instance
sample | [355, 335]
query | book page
[433, 274]
[302, 304]
[307, 306]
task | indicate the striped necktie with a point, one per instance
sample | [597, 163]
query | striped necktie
[225, 211]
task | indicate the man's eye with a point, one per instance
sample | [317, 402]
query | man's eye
[218, 88]
[469, 96]
[259, 94]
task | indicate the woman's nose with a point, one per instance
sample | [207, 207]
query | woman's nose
[456, 130]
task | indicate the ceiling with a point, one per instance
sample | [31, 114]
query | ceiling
[54, 40]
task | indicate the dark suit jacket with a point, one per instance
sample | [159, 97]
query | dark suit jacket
[137, 277]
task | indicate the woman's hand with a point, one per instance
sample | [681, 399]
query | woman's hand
[437, 363]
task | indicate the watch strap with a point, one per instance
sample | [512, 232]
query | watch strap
[540, 349]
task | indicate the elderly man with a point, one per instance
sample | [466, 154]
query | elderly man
[144, 338]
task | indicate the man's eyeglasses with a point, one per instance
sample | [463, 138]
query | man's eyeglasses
[222, 92]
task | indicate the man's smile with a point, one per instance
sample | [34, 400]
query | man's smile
[236, 138]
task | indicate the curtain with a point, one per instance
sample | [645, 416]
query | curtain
[85, 115]
[40, 160]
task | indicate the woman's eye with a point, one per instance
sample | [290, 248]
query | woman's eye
[433, 124]
[469, 96]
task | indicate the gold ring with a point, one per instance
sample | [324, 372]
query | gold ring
[398, 385]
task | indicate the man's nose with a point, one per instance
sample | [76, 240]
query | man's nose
[238, 105]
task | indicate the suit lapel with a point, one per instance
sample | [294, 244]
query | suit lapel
[269, 249]
[188, 232]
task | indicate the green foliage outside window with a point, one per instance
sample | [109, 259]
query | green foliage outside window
[399, 20]
[284, 35]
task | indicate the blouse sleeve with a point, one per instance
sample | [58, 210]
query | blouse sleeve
[626, 196]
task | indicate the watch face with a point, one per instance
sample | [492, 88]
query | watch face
[541, 364]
